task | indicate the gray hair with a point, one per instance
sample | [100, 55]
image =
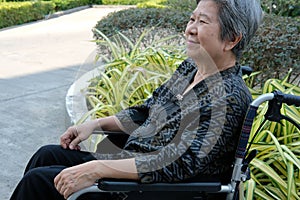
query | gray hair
[239, 17]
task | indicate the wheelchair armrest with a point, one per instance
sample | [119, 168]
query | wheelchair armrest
[208, 185]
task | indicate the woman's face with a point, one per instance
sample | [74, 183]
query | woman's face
[203, 32]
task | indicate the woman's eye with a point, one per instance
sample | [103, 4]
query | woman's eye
[192, 19]
[204, 22]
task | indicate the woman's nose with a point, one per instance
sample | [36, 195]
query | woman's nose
[191, 30]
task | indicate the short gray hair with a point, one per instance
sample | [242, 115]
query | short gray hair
[239, 17]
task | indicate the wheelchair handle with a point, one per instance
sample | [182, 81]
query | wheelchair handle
[277, 96]
[290, 99]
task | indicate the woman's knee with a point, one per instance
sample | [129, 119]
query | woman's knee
[48, 150]
[55, 155]
[45, 156]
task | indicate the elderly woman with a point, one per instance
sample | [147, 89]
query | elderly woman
[188, 128]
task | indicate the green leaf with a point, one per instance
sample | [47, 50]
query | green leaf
[278, 146]
[250, 184]
[269, 172]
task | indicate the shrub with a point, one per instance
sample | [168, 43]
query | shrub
[275, 48]
[173, 14]
[13, 0]
[152, 4]
[14, 13]
[282, 7]
[179, 5]
[140, 18]
[68, 4]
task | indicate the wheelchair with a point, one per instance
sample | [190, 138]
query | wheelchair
[197, 189]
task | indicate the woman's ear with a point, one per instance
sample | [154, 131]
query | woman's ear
[231, 44]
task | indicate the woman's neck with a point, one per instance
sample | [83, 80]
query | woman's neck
[208, 68]
[207, 65]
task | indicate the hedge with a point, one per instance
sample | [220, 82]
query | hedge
[14, 13]
[276, 48]
[19, 12]
[68, 4]
[140, 18]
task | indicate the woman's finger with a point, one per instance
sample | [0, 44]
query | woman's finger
[68, 136]
[58, 183]
[74, 144]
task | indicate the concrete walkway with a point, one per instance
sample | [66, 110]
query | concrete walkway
[38, 63]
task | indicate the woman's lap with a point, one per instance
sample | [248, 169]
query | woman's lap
[50, 155]
[43, 167]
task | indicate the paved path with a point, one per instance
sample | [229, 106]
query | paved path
[38, 63]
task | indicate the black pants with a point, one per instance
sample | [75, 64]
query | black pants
[38, 180]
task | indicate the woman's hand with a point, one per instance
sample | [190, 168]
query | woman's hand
[75, 178]
[76, 134]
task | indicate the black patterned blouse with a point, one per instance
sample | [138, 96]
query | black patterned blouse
[175, 137]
